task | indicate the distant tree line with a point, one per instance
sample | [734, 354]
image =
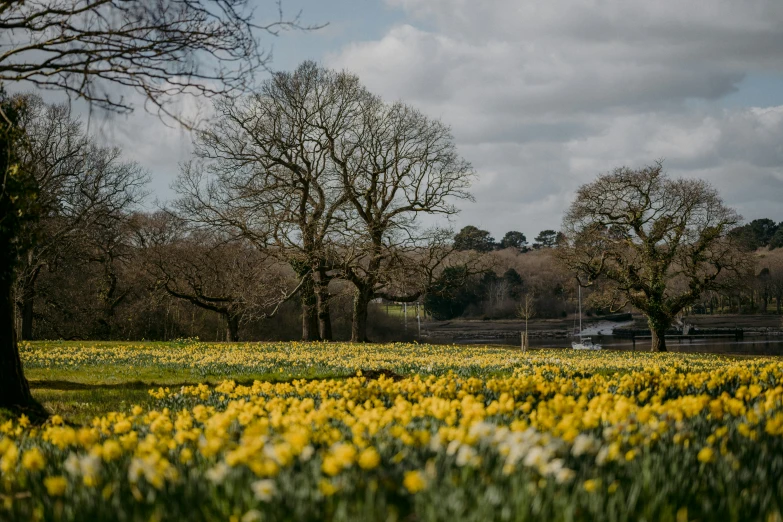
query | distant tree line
[471, 238]
[229, 253]
[760, 233]
[219, 266]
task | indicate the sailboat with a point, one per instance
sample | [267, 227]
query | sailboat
[585, 343]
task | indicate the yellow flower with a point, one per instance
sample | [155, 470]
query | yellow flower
[414, 481]
[326, 488]
[591, 485]
[10, 456]
[186, 455]
[55, 486]
[330, 466]
[369, 458]
[33, 460]
[111, 450]
[344, 454]
[706, 455]
[122, 426]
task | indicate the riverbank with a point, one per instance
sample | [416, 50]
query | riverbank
[464, 331]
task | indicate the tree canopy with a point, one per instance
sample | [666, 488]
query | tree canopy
[473, 238]
[514, 239]
[655, 242]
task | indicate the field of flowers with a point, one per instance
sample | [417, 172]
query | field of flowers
[453, 433]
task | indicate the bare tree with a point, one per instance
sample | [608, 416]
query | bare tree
[268, 176]
[226, 276]
[161, 49]
[394, 164]
[658, 243]
[91, 50]
[526, 310]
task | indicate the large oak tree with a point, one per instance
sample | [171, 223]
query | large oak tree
[654, 242]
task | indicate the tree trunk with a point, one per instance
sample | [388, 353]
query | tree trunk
[14, 390]
[232, 330]
[361, 302]
[28, 301]
[309, 310]
[322, 297]
[658, 330]
[28, 297]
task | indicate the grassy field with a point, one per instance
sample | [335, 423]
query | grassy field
[80, 380]
[295, 431]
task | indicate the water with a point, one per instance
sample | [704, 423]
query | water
[747, 346]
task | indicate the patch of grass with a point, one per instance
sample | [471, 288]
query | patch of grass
[151, 376]
[80, 406]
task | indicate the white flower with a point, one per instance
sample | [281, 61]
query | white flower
[143, 466]
[536, 458]
[264, 489]
[252, 516]
[554, 467]
[435, 443]
[493, 495]
[307, 453]
[466, 455]
[500, 434]
[583, 444]
[217, 473]
[452, 448]
[72, 464]
[564, 475]
[603, 453]
[90, 465]
[135, 470]
[481, 429]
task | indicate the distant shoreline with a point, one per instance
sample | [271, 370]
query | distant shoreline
[460, 330]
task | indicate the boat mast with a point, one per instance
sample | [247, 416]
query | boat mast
[580, 311]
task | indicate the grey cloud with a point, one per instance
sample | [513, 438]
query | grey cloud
[543, 96]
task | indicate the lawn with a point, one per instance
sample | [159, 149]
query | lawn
[298, 431]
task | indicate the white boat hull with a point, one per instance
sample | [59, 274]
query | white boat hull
[585, 346]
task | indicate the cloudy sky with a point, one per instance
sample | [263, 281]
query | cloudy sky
[543, 95]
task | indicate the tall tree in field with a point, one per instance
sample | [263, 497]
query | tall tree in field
[394, 164]
[267, 175]
[91, 50]
[656, 243]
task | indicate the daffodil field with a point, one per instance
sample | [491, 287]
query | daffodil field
[444, 433]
